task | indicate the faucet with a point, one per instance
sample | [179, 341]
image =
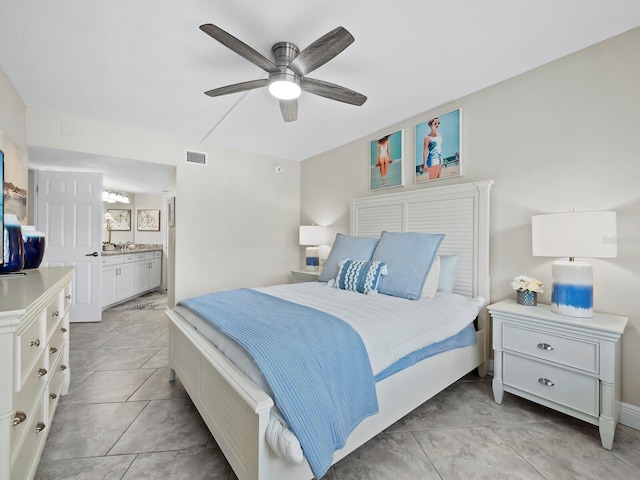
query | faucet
[123, 247]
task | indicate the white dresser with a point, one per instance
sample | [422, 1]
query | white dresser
[34, 359]
[566, 363]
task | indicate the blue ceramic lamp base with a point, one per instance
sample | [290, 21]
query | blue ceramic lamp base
[572, 290]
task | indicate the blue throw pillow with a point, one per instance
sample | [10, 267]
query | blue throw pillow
[408, 257]
[345, 246]
[448, 272]
[359, 276]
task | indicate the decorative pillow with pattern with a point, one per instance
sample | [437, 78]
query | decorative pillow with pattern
[359, 276]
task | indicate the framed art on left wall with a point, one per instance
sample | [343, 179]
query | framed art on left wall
[121, 219]
[385, 161]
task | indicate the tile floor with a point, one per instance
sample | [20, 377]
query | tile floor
[122, 419]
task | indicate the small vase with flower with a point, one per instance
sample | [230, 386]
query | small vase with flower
[527, 289]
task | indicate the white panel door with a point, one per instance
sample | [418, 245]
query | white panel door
[70, 215]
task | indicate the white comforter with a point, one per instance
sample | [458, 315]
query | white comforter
[390, 327]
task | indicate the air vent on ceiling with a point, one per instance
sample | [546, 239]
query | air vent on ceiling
[196, 157]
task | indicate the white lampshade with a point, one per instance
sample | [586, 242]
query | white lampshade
[574, 234]
[313, 235]
[570, 235]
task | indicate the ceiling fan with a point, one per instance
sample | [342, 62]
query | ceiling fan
[288, 70]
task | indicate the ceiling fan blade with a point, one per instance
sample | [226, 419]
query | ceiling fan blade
[289, 110]
[239, 47]
[238, 87]
[332, 91]
[321, 51]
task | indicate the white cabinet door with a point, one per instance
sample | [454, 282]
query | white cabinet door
[125, 283]
[109, 280]
[141, 276]
[155, 270]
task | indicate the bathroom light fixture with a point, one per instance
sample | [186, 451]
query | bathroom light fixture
[112, 196]
[573, 234]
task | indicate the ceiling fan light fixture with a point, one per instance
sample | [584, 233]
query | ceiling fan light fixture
[284, 86]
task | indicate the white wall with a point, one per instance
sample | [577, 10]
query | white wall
[562, 136]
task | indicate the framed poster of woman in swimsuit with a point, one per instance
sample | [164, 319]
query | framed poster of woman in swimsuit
[385, 161]
[438, 147]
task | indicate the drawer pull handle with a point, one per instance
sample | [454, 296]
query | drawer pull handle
[63, 367]
[55, 314]
[19, 418]
[40, 426]
[42, 372]
[52, 396]
[545, 346]
[52, 350]
[68, 297]
[63, 330]
[36, 343]
[546, 382]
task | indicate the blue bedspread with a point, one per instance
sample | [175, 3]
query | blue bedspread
[315, 364]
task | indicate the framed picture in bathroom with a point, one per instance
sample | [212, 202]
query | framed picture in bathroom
[149, 220]
[121, 219]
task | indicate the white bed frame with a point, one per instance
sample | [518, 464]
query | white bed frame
[237, 411]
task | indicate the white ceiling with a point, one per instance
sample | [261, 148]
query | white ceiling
[145, 64]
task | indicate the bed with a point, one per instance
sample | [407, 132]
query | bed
[238, 412]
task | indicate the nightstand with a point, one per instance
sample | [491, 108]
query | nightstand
[566, 363]
[300, 276]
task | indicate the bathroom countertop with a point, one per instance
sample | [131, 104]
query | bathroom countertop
[137, 249]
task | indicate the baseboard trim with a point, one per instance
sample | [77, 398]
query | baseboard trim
[629, 415]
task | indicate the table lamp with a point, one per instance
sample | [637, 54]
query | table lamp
[312, 235]
[573, 234]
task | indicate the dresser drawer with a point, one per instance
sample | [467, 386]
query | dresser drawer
[29, 345]
[28, 398]
[571, 352]
[23, 462]
[568, 388]
[35, 380]
[55, 383]
[66, 298]
[53, 321]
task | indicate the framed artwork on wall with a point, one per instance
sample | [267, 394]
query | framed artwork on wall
[121, 219]
[148, 220]
[2, 208]
[385, 161]
[171, 211]
[438, 147]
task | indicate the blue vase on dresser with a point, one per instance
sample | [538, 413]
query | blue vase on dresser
[13, 253]
[34, 243]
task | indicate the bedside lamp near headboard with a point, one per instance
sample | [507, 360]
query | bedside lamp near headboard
[573, 234]
[313, 236]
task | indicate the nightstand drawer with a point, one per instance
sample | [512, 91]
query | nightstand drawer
[571, 352]
[571, 389]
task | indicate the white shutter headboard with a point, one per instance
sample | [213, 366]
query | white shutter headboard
[459, 211]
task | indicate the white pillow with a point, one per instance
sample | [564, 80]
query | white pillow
[431, 283]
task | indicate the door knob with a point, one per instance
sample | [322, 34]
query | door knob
[94, 254]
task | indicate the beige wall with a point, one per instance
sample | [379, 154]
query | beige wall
[236, 219]
[563, 136]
